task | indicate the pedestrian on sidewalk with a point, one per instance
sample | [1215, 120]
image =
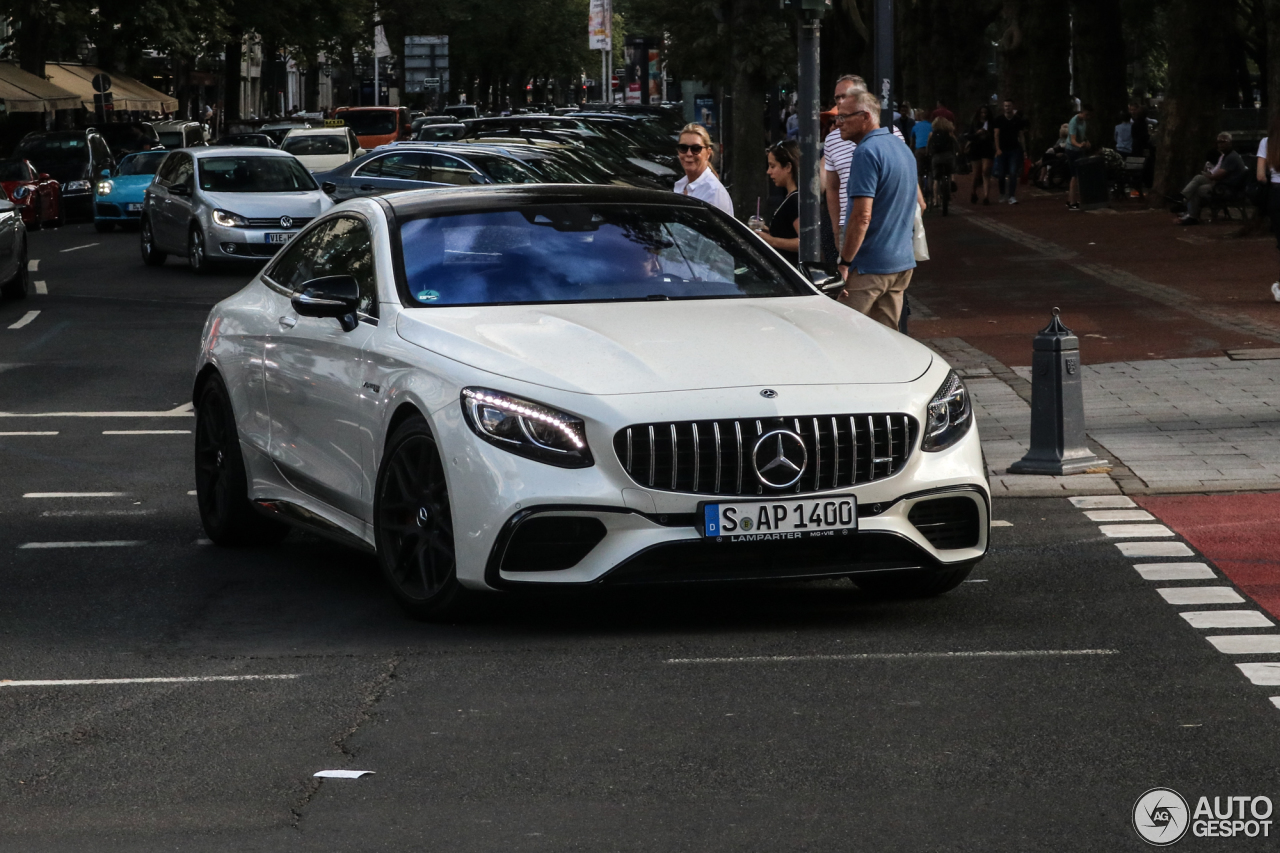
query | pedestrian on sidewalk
[1269, 177]
[1078, 146]
[920, 132]
[1011, 141]
[837, 152]
[982, 154]
[783, 231]
[883, 195]
[940, 154]
[1228, 172]
[700, 180]
[939, 111]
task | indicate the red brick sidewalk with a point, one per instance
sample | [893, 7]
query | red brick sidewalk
[1131, 283]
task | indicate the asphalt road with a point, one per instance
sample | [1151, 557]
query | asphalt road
[788, 717]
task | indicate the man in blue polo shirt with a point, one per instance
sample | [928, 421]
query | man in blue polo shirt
[876, 257]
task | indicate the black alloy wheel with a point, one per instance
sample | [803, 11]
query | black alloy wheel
[916, 583]
[151, 256]
[20, 285]
[222, 487]
[413, 526]
[196, 255]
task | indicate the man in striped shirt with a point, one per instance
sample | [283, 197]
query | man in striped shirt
[837, 153]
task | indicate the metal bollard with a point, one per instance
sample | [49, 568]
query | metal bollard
[1057, 407]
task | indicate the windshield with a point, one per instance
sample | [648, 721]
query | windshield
[254, 175]
[584, 253]
[14, 170]
[502, 170]
[251, 140]
[370, 122]
[48, 149]
[301, 146]
[128, 137]
[141, 164]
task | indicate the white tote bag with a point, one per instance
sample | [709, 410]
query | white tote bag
[918, 242]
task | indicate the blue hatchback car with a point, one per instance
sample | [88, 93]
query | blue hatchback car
[119, 194]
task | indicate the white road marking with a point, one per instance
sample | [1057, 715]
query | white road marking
[1225, 619]
[146, 432]
[185, 679]
[1275, 700]
[42, 288]
[93, 513]
[1134, 531]
[1247, 644]
[78, 248]
[1119, 515]
[341, 774]
[976, 580]
[192, 492]
[33, 265]
[25, 320]
[204, 541]
[1002, 524]
[1200, 595]
[108, 543]
[1101, 502]
[186, 410]
[32, 432]
[75, 494]
[1154, 549]
[1019, 653]
[1175, 572]
[1261, 673]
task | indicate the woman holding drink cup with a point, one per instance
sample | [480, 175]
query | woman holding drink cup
[784, 233]
[700, 180]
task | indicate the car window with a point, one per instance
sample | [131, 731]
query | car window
[406, 165]
[183, 170]
[338, 246]
[322, 144]
[352, 141]
[450, 170]
[101, 152]
[503, 170]
[586, 253]
[141, 164]
[14, 170]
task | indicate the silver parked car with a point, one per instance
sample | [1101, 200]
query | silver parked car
[226, 204]
[15, 282]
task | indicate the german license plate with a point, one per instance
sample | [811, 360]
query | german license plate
[755, 521]
[279, 238]
[133, 205]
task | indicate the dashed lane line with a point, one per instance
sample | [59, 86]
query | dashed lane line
[33, 265]
[186, 410]
[29, 432]
[78, 248]
[183, 679]
[42, 288]
[94, 513]
[42, 495]
[25, 320]
[1014, 653]
[146, 432]
[109, 543]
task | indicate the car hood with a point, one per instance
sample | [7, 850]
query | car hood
[645, 347]
[261, 205]
[130, 185]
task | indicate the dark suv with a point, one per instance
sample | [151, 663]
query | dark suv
[75, 158]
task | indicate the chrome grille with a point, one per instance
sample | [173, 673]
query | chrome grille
[714, 457]
[274, 221]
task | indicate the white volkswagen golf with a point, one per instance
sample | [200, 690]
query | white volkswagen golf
[502, 388]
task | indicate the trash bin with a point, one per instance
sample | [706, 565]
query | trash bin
[1092, 173]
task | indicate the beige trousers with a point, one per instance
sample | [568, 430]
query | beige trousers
[877, 296]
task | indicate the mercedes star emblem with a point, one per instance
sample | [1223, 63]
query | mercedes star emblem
[780, 458]
[768, 393]
[286, 222]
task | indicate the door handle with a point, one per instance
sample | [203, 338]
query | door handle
[368, 188]
[288, 322]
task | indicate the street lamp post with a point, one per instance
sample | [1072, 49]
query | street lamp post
[810, 182]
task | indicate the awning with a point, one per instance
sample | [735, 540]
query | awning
[127, 94]
[27, 93]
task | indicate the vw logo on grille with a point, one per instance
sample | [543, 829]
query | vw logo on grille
[779, 458]
[286, 222]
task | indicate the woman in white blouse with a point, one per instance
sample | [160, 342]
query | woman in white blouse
[700, 180]
[1269, 177]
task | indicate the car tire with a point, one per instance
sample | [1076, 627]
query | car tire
[222, 485]
[913, 584]
[20, 285]
[197, 258]
[103, 227]
[151, 256]
[413, 526]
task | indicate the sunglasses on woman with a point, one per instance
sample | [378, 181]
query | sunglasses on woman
[689, 149]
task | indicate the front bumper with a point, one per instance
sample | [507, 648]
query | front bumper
[117, 210]
[239, 244]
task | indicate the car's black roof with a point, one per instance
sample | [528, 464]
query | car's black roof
[414, 203]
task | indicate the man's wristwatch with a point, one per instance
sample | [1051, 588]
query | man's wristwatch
[844, 263]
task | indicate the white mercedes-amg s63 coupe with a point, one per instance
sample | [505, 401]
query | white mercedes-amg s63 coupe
[504, 388]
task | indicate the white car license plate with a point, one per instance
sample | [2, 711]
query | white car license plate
[279, 238]
[133, 205]
[753, 521]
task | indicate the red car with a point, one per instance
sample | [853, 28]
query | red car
[37, 195]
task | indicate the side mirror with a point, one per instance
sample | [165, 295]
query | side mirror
[331, 296]
[106, 173]
[329, 187]
[823, 280]
[478, 179]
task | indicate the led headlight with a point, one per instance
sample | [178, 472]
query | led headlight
[21, 192]
[76, 187]
[950, 415]
[105, 187]
[526, 428]
[227, 219]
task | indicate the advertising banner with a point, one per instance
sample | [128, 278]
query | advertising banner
[600, 25]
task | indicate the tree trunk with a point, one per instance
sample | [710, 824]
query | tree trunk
[234, 54]
[1189, 117]
[1012, 51]
[748, 135]
[32, 38]
[1047, 35]
[1100, 66]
